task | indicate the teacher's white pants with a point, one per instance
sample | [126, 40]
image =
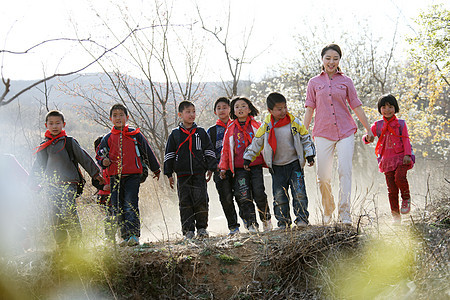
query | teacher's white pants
[325, 149]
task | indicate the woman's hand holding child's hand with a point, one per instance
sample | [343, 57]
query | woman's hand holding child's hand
[222, 174]
[369, 137]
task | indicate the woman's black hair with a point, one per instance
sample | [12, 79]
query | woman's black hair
[334, 47]
[388, 99]
[253, 110]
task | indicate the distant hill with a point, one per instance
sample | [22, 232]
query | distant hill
[58, 88]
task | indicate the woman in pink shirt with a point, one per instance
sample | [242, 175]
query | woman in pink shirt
[334, 129]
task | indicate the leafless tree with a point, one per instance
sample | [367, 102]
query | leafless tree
[4, 100]
[235, 59]
[152, 99]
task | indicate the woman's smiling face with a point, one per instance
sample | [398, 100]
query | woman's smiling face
[330, 61]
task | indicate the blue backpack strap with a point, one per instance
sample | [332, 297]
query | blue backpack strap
[402, 125]
[379, 125]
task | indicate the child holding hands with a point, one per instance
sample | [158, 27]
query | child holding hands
[122, 152]
[248, 185]
[285, 143]
[394, 154]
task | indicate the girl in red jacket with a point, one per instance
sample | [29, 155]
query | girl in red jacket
[248, 185]
[394, 154]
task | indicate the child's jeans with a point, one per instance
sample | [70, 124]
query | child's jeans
[249, 187]
[283, 177]
[64, 216]
[125, 204]
[396, 180]
[193, 202]
[104, 201]
[225, 190]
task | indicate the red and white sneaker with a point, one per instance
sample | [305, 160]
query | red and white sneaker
[406, 206]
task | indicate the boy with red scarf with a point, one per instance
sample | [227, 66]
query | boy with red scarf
[190, 154]
[224, 186]
[122, 152]
[285, 143]
[55, 166]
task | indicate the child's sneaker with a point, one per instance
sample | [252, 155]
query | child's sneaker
[202, 233]
[252, 228]
[234, 232]
[302, 224]
[267, 225]
[133, 241]
[189, 235]
[406, 206]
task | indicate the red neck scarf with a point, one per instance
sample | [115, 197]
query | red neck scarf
[386, 127]
[188, 138]
[125, 132]
[272, 138]
[247, 137]
[51, 140]
[219, 122]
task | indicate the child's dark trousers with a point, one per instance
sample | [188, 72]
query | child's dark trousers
[249, 187]
[193, 202]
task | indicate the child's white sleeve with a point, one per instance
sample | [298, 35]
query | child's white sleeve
[308, 145]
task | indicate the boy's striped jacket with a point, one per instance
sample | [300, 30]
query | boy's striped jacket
[303, 143]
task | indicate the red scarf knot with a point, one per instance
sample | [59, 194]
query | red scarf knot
[125, 131]
[219, 122]
[188, 138]
[51, 140]
[272, 138]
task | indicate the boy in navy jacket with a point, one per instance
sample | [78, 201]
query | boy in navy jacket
[189, 153]
[122, 152]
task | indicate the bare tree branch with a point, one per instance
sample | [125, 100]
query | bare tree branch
[3, 101]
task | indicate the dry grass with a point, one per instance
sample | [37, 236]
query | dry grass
[320, 262]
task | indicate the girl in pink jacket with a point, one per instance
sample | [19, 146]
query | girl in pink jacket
[394, 154]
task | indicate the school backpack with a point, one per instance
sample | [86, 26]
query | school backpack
[144, 173]
[69, 149]
[402, 123]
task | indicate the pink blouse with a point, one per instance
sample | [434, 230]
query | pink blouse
[329, 98]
